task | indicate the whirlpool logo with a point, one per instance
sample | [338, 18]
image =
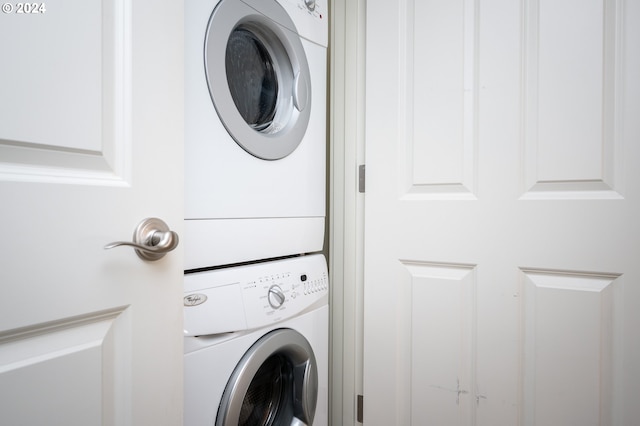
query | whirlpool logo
[195, 299]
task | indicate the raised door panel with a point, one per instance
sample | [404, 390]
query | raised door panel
[71, 371]
[572, 96]
[440, 342]
[69, 86]
[571, 340]
[437, 100]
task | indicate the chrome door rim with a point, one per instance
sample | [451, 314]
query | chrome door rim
[294, 92]
[284, 342]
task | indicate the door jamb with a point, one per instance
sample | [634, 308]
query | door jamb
[346, 206]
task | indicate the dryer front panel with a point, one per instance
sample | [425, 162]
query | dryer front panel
[255, 134]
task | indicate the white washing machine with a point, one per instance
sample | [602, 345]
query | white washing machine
[255, 129]
[256, 345]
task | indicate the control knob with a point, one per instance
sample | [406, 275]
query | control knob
[275, 296]
[311, 4]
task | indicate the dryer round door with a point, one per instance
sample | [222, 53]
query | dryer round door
[275, 383]
[258, 77]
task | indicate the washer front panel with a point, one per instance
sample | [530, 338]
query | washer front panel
[258, 77]
[211, 360]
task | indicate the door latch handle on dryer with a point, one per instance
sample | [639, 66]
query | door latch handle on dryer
[152, 239]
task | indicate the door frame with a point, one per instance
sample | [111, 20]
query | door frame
[346, 206]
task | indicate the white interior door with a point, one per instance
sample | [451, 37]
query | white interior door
[503, 195]
[90, 144]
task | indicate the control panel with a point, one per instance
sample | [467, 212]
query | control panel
[252, 296]
[311, 18]
[282, 294]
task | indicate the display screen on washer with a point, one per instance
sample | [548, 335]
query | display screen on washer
[258, 77]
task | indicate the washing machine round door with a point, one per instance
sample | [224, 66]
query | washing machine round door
[275, 383]
[258, 77]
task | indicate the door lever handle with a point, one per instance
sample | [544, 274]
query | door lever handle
[152, 239]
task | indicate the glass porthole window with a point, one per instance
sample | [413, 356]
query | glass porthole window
[252, 78]
[266, 399]
[258, 77]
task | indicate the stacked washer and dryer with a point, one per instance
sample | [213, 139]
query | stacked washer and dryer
[256, 286]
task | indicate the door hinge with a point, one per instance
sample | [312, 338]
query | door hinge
[361, 178]
[359, 409]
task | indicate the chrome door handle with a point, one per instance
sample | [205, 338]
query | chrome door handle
[152, 239]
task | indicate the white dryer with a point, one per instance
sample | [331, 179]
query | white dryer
[256, 345]
[255, 129]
